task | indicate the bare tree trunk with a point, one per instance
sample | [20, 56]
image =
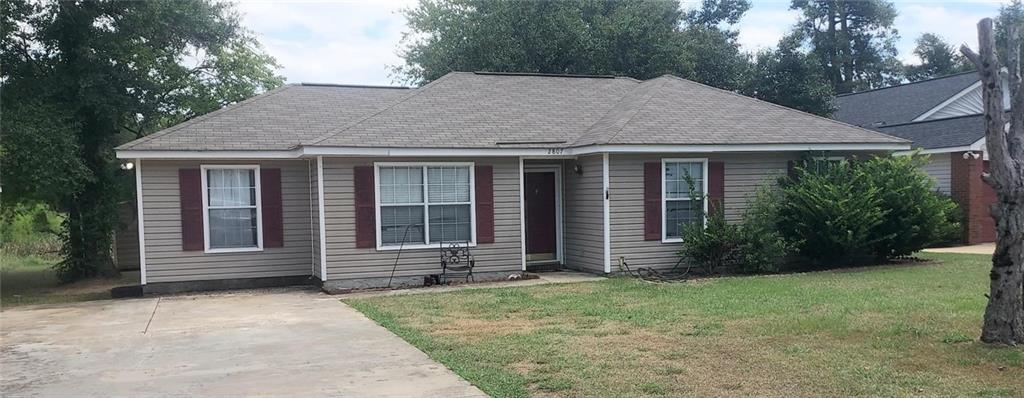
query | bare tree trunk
[1004, 315]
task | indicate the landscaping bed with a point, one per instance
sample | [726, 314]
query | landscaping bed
[890, 331]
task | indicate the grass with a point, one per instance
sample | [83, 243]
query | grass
[29, 279]
[885, 331]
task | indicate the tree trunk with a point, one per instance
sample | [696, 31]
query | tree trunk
[1004, 315]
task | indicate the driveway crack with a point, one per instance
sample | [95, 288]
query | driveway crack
[151, 315]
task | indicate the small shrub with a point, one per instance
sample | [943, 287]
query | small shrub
[832, 215]
[762, 247]
[711, 247]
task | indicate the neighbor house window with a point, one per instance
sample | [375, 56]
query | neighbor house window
[423, 204]
[682, 194]
[231, 203]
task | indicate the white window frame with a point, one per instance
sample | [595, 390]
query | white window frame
[206, 209]
[664, 198]
[426, 203]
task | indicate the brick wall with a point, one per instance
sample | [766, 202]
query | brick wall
[974, 197]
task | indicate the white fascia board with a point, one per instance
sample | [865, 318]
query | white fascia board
[978, 145]
[553, 152]
[137, 154]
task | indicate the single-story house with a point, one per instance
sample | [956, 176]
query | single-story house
[344, 183]
[945, 119]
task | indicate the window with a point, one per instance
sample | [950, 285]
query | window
[679, 205]
[231, 208]
[422, 204]
[823, 164]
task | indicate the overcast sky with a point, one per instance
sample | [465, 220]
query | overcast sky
[354, 42]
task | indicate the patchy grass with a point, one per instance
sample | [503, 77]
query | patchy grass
[886, 331]
[26, 280]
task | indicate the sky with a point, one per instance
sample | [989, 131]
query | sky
[356, 42]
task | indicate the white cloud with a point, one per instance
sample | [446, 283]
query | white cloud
[954, 24]
[329, 41]
[353, 42]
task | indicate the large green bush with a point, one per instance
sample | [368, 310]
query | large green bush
[916, 216]
[861, 211]
[832, 214]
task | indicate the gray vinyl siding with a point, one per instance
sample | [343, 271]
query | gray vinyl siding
[346, 261]
[939, 167]
[744, 173]
[584, 214]
[166, 262]
[314, 217]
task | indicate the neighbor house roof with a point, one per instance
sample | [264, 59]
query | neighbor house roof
[902, 103]
[941, 133]
[504, 110]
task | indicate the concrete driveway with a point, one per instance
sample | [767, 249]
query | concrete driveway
[261, 343]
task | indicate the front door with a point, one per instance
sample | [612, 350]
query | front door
[541, 220]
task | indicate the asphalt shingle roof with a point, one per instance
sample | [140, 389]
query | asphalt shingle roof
[276, 120]
[941, 133]
[900, 104]
[488, 110]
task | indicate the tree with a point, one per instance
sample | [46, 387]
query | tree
[1004, 315]
[852, 39]
[641, 39]
[938, 58]
[81, 77]
[788, 77]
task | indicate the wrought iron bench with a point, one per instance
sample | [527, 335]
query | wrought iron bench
[456, 261]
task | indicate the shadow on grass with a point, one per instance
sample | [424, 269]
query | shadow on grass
[30, 280]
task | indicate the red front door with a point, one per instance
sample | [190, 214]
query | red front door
[540, 216]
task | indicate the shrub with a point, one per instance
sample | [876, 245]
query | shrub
[711, 247]
[916, 215]
[763, 248]
[832, 215]
[876, 209]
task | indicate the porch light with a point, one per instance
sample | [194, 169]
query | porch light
[127, 166]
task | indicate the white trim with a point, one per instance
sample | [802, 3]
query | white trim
[138, 154]
[606, 184]
[142, 226]
[522, 213]
[539, 153]
[323, 217]
[948, 101]
[426, 202]
[559, 209]
[704, 187]
[206, 209]
[978, 145]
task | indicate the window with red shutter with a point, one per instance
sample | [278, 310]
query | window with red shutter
[190, 192]
[272, 206]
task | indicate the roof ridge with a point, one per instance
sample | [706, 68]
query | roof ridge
[782, 107]
[202, 118]
[412, 93]
[635, 109]
[316, 84]
[906, 84]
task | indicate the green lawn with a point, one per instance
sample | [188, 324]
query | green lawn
[26, 280]
[886, 331]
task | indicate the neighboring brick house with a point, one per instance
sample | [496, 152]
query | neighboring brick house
[350, 186]
[943, 117]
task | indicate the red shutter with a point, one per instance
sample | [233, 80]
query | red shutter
[190, 191]
[273, 213]
[366, 223]
[791, 170]
[652, 201]
[716, 186]
[484, 181]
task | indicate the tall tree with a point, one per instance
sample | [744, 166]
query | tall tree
[938, 58]
[642, 39]
[1004, 315]
[789, 77]
[81, 77]
[854, 41]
